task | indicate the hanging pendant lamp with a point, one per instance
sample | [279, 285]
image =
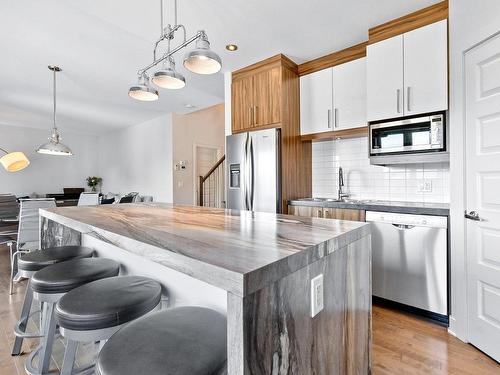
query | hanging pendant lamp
[54, 145]
[14, 161]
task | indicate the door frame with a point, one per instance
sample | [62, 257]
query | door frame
[217, 148]
[459, 319]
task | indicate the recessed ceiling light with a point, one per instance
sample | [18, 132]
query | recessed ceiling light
[231, 47]
[189, 106]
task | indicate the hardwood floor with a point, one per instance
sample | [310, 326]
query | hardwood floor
[402, 344]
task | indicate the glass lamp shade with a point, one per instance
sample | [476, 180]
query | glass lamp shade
[143, 91]
[202, 60]
[14, 161]
[169, 79]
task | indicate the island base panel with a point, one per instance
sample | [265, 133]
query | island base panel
[271, 331]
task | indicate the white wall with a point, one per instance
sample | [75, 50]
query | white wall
[47, 173]
[138, 158]
[365, 181]
[470, 23]
[203, 128]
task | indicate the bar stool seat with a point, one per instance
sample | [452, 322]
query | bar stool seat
[68, 275]
[49, 285]
[28, 264]
[178, 341]
[107, 303]
[36, 260]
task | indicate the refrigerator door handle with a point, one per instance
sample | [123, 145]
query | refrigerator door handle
[245, 174]
[251, 174]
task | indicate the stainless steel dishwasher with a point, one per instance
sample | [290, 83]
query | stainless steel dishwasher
[409, 263]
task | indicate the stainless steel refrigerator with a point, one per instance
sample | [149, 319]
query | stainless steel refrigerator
[253, 170]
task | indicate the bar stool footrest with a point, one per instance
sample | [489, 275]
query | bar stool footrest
[27, 335]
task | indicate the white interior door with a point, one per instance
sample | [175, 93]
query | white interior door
[482, 69]
[349, 94]
[316, 102]
[384, 77]
[426, 69]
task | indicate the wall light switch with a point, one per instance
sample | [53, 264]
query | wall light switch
[425, 186]
[317, 295]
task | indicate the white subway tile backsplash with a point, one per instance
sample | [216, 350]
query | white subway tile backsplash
[365, 181]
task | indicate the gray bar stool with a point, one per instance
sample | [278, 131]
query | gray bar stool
[95, 311]
[28, 264]
[49, 285]
[178, 341]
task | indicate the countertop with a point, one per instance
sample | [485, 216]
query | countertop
[238, 251]
[416, 208]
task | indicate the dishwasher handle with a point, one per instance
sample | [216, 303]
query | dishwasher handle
[403, 226]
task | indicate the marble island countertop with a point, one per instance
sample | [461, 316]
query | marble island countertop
[238, 251]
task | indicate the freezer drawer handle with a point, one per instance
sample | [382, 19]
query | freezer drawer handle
[403, 226]
[473, 215]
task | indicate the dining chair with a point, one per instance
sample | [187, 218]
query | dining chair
[88, 199]
[28, 231]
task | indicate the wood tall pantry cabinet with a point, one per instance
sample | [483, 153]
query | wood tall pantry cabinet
[266, 95]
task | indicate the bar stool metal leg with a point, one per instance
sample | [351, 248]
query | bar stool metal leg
[49, 331]
[23, 320]
[69, 357]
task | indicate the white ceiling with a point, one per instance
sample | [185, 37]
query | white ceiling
[100, 44]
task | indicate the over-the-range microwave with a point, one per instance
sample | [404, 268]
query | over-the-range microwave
[420, 134]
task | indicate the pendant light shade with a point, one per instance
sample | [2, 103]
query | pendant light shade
[54, 146]
[143, 90]
[14, 161]
[202, 60]
[168, 78]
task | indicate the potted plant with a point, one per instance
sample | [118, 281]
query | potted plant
[93, 181]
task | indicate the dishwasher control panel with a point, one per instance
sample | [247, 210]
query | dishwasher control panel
[407, 219]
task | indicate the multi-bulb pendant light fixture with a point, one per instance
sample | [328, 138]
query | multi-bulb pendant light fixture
[54, 145]
[201, 60]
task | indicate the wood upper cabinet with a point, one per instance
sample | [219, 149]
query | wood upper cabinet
[242, 90]
[334, 98]
[408, 73]
[256, 99]
[267, 97]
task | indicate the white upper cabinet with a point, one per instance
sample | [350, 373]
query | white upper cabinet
[385, 78]
[316, 102]
[426, 69]
[349, 95]
[408, 74]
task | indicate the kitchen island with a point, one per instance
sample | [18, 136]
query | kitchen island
[261, 264]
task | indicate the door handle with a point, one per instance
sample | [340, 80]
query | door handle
[329, 119]
[254, 114]
[473, 215]
[398, 104]
[336, 117]
[408, 89]
[252, 168]
[250, 122]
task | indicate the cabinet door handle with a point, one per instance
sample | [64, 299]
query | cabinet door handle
[336, 117]
[254, 114]
[398, 104]
[329, 119]
[250, 122]
[408, 89]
